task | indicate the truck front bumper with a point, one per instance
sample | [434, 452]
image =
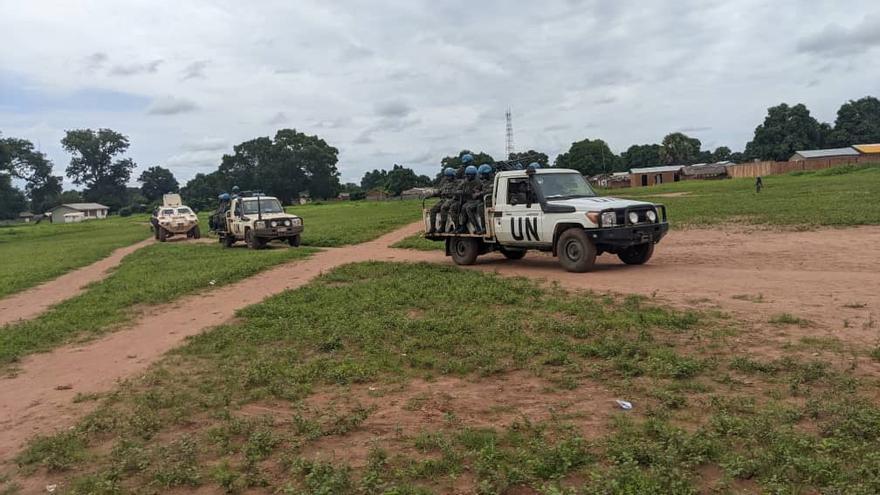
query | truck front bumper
[279, 232]
[624, 237]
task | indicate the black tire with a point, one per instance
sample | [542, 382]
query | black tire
[513, 254]
[637, 255]
[576, 251]
[252, 241]
[464, 250]
[228, 240]
[293, 241]
[196, 233]
[163, 234]
[156, 233]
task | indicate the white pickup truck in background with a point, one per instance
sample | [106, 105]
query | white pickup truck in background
[556, 210]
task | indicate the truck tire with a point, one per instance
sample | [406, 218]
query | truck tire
[252, 241]
[513, 254]
[464, 250]
[637, 255]
[228, 240]
[577, 253]
[163, 234]
[293, 241]
[196, 233]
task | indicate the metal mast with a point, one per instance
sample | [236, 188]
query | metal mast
[509, 133]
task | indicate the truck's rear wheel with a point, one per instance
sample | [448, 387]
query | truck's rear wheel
[464, 250]
[577, 253]
[163, 234]
[228, 240]
[637, 255]
[513, 254]
[293, 241]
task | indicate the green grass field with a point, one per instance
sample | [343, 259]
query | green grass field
[237, 409]
[841, 196]
[352, 222]
[33, 254]
[155, 274]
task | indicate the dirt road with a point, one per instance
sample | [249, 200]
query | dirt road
[30, 303]
[829, 277]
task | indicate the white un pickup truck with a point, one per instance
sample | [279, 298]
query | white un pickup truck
[556, 210]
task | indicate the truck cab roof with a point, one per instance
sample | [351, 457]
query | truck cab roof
[541, 171]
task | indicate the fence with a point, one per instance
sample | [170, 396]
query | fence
[754, 169]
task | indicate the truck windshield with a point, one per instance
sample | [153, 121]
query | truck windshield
[564, 186]
[184, 211]
[267, 205]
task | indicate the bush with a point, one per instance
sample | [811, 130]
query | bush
[125, 211]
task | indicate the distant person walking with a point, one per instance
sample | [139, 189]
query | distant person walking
[759, 184]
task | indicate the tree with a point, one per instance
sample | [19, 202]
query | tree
[858, 122]
[400, 179]
[641, 155]
[721, 153]
[589, 157]
[94, 164]
[156, 181]
[201, 192]
[375, 179]
[786, 130]
[527, 157]
[71, 196]
[20, 160]
[12, 200]
[679, 149]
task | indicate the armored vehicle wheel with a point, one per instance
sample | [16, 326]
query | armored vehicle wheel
[576, 251]
[156, 233]
[464, 250]
[293, 241]
[637, 255]
[163, 234]
[196, 233]
[513, 254]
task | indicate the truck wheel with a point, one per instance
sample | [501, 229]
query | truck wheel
[637, 255]
[163, 234]
[228, 240]
[464, 250]
[196, 233]
[251, 240]
[513, 254]
[293, 241]
[577, 253]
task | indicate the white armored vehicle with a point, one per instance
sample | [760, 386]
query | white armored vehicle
[174, 218]
[555, 210]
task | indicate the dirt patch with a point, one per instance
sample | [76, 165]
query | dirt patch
[399, 412]
[30, 303]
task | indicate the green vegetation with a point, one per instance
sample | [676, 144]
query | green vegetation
[155, 274]
[353, 222]
[418, 242]
[838, 196]
[789, 319]
[33, 254]
[253, 404]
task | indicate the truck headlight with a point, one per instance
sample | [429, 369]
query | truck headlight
[633, 217]
[609, 219]
[652, 217]
[287, 223]
[297, 221]
[273, 223]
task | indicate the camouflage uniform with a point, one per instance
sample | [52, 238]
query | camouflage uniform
[470, 192]
[455, 209]
[476, 205]
[442, 207]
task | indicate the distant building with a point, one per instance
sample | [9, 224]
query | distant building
[344, 196]
[26, 216]
[652, 176]
[705, 171]
[418, 193]
[616, 180]
[868, 149]
[823, 154]
[377, 195]
[77, 212]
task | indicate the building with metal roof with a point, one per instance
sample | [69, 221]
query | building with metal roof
[867, 149]
[705, 171]
[75, 212]
[650, 176]
[828, 153]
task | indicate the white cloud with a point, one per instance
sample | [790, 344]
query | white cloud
[171, 105]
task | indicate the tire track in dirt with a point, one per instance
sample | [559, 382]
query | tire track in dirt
[39, 398]
[31, 302]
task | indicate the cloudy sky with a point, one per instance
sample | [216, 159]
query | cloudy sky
[410, 81]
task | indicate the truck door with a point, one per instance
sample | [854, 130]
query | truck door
[517, 218]
[233, 218]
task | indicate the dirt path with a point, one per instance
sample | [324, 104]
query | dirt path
[829, 277]
[39, 399]
[30, 303]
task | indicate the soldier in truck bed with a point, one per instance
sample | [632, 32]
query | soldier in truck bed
[469, 190]
[447, 196]
[475, 206]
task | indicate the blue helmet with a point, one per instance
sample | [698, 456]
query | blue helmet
[517, 166]
[470, 171]
[534, 165]
[223, 197]
[485, 169]
[467, 158]
[449, 172]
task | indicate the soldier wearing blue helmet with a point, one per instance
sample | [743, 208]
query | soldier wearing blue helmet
[475, 206]
[447, 196]
[470, 186]
[534, 165]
